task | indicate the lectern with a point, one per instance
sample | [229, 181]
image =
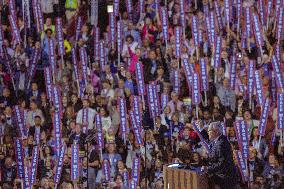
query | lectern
[175, 178]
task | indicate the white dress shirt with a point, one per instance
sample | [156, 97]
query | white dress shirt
[91, 117]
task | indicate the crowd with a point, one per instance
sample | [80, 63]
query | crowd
[120, 102]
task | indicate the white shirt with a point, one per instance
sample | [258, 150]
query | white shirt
[107, 93]
[132, 47]
[91, 117]
[47, 5]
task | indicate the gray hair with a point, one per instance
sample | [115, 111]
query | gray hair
[216, 126]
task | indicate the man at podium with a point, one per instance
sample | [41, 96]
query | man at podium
[220, 167]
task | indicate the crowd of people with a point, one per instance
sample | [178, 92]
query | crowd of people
[98, 69]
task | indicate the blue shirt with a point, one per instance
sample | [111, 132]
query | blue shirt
[129, 84]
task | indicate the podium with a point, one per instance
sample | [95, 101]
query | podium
[175, 178]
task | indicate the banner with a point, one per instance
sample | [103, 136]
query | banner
[27, 13]
[224, 128]
[279, 4]
[258, 86]
[48, 82]
[119, 35]
[218, 15]
[122, 116]
[262, 12]
[94, 12]
[280, 111]
[76, 70]
[157, 100]
[57, 130]
[83, 60]
[280, 22]
[247, 27]
[140, 78]
[137, 110]
[239, 13]
[19, 158]
[136, 129]
[125, 177]
[164, 100]
[212, 27]
[273, 88]
[182, 13]
[165, 24]
[15, 29]
[27, 183]
[106, 170]
[12, 9]
[243, 138]
[75, 167]
[233, 72]
[178, 37]
[196, 90]
[129, 8]
[96, 36]
[141, 6]
[251, 69]
[258, 34]
[20, 120]
[217, 52]
[60, 38]
[194, 30]
[116, 7]
[200, 36]
[151, 101]
[208, 30]
[100, 133]
[263, 119]
[135, 175]
[204, 75]
[59, 165]
[33, 64]
[2, 54]
[206, 9]
[57, 100]
[38, 16]
[85, 120]
[34, 164]
[176, 84]
[112, 27]
[278, 52]
[278, 72]
[102, 55]
[52, 57]
[79, 25]
[269, 9]
[188, 72]
[227, 12]
[242, 166]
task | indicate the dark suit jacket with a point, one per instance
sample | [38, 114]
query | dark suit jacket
[81, 141]
[30, 94]
[221, 164]
[32, 130]
[148, 76]
[17, 80]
